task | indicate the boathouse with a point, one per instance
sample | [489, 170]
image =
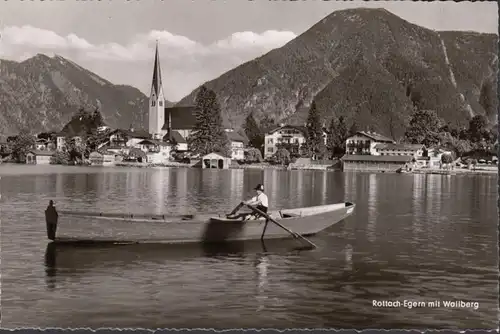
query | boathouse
[215, 160]
[375, 163]
[102, 159]
[38, 157]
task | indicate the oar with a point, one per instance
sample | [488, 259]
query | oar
[294, 234]
[236, 208]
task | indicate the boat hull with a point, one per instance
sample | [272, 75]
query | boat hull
[196, 229]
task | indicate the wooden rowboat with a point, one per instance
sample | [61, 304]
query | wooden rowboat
[68, 226]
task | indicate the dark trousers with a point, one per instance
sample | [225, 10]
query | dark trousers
[51, 231]
[262, 208]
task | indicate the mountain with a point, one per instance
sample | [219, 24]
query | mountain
[43, 93]
[370, 66]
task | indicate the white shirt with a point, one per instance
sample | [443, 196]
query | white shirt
[261, 199]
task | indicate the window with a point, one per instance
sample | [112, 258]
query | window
[270, 141]
[153, 103]
[160, 103]
[270, 149]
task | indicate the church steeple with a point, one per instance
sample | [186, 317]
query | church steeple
[156, 100]
[156, 85]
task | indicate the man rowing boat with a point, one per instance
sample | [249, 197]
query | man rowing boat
[260, 201]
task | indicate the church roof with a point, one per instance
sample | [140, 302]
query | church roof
[183, 118]
[234, 136]
[157, 84]
[133, 133]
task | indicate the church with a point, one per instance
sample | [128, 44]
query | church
[177, 123]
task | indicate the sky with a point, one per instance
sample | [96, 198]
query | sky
[198, 40]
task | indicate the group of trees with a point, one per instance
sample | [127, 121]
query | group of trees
[425, 127]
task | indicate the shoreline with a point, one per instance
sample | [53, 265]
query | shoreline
[489, 170]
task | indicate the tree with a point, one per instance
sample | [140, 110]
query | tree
[293, 148]
[253, 132]
[446, 158]
[478, 129]
[354, 128]
[208, 134]
[337, 135]
[266, 124]
[314, 144]
[424, 128]
[253, 155]
[282, 156]
[23, 143]
[76, 150]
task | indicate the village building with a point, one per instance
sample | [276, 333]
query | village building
[37, 157]
[414, 150]
[41, 144]
[292, 136]
[102, 158]
[371, 151]
[376, 163]
[215, 160]
[432, 159]
[364, 142]
[127, 138]
[157, 151]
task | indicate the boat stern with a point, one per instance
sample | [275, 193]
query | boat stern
[51, 219]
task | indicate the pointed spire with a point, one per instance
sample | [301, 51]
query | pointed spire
[157, 84]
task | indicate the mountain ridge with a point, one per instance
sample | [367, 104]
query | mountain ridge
[345, 59]
[42, 93]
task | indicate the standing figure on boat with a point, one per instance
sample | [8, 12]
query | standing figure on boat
[51, 217]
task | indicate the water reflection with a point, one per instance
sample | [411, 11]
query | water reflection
[332, 286]
[419, 191]
[237, 185]
[372, 207]
[262, 281]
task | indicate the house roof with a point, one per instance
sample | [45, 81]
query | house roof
[235, 136]
[375, 136]
[302, 129]
[115, 147]
[377, 158]
[153, 142]
[133, 133]
[214, 155]
[177, 137]
[42, 153]
[391, 146]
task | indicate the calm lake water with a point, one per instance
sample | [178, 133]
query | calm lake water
[412, 237]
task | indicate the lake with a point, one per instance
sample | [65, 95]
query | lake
[419, 238]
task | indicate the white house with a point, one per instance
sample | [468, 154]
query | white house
[237, 145]
[414, 150]
[365, 142]
[157, 151]
[285, 134]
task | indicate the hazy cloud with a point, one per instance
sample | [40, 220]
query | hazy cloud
[27, 39]
[185, 63]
